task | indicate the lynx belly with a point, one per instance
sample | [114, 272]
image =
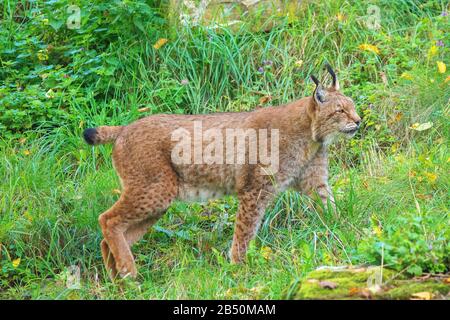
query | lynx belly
[199, 194]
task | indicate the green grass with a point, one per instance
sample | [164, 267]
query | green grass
[50, 221]
[54, 186]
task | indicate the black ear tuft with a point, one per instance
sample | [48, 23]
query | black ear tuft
[89, 135]
[335, 83]
[315, 80]
[330, 70]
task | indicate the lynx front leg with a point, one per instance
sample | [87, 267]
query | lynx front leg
[319, 190]
[314, 181]
[251, 210]
[324, 193]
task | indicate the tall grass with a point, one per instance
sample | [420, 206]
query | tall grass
[54, 186]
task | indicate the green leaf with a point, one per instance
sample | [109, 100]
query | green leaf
[414, 270]
[139, 25]
[56, 24]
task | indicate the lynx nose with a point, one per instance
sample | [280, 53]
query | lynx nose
[358, 123]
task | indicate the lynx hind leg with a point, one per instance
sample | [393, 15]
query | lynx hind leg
[136, 231]
[252, 206]
[108, 259]
[129, 218]
[133, 234]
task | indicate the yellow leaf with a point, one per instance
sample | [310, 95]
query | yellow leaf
[266, 252]
[422, 295]
[42, 55]
[361, 292]
[432, 51]
[447, 280]
[377, 230]
[16, 262]
[421, 126]
[424, 196]
[26, 152]
[158, 44]
[366, 185]
[354, 291]
[27, 215]
[400, 158]
[144, 109]
[298, 63]
[432, 177]
[394, 147]
[116, 191]
[256, 290]
[265, 99]
[340, 17]
[369, 47]
[292, 12]
[229, 293]
[50, 94]
[406, 75]
[441, 66]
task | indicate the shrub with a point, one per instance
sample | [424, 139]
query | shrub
[46, 67]
[413, 243]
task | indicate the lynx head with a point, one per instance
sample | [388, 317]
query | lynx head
[333, 115]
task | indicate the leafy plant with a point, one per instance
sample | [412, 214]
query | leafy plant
[411, 243]
[47, 67]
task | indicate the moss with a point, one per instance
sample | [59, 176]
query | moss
[310, 290]
[405, 289]
[354, 283]
[357, 274]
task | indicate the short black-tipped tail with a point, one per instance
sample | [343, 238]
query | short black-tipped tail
[89, 135]
[103, 134]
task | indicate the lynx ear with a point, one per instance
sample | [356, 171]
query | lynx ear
[319, 92]
[335, 83]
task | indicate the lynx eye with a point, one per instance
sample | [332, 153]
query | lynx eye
[340, 110]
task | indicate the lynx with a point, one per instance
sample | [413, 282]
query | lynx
[143, 157]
